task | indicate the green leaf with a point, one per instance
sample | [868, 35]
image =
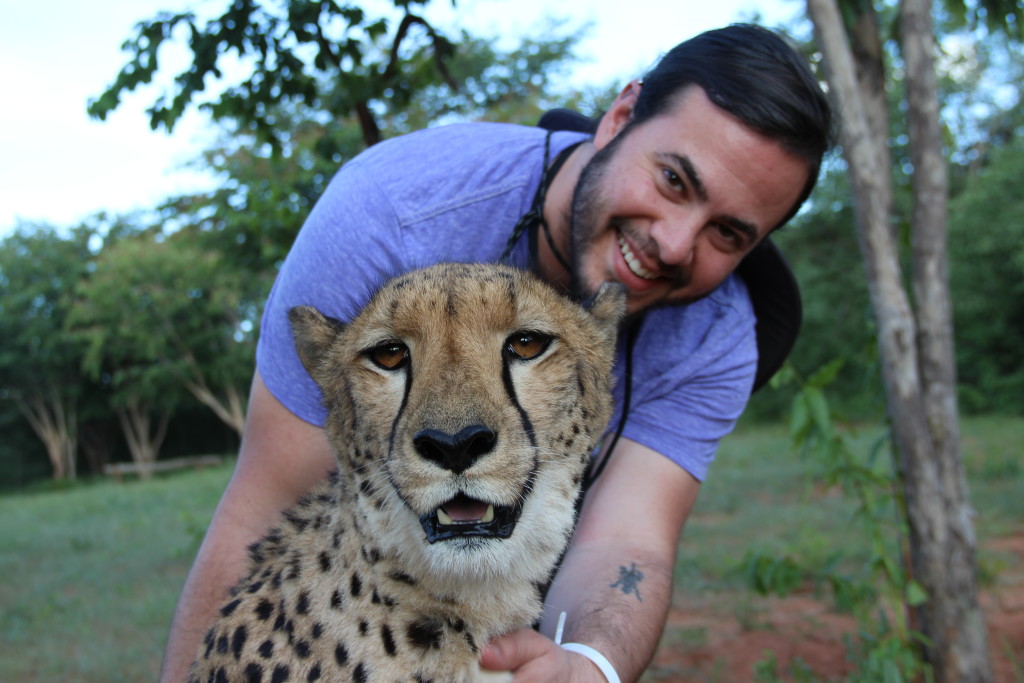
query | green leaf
[915, 594]
[817, 404]
[826, 374]
[799, 420]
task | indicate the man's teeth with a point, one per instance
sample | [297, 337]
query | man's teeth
[633, 262]
[445, 519]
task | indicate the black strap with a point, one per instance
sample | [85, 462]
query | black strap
[535, 216]
[594, 471]
[529, 221]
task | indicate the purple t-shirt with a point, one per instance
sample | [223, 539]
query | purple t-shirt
[453, 193]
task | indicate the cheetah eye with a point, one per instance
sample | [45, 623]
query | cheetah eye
[391, 355]
[526, 345]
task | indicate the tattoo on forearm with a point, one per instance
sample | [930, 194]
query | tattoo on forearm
[629, 580]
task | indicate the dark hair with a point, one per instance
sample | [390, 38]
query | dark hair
[753, 74]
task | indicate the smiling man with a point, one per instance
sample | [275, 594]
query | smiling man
[669, 207]
[686, 174]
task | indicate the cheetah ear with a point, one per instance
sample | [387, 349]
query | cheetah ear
[608, 305]
[314, 334]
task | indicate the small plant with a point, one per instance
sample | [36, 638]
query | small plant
[768, 574]
[767, 671]
[882, 593]
[1016, 660]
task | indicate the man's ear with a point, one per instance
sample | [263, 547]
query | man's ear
[618, 115]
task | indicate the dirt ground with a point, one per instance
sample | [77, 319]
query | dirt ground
[716, 643]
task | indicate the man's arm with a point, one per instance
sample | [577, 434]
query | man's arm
[281, 457]
[615, 583]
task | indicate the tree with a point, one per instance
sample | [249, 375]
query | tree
[39, 362]
[160, 315]
[987, 275]
[356, 62]
[915, 332]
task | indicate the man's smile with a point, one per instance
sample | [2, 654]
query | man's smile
[632, 261]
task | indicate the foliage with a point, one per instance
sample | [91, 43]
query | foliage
[39, 364]
[996, 16]
[980, 81]
[987, 274]
[325, 55]
[516, 86]
[159, 314]
[821, 247]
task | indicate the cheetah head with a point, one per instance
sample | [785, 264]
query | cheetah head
[464, 402]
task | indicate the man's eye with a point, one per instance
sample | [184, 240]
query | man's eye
[526, 345]
[728, 237]
[673, 180]
[389, 355]
[727, 233]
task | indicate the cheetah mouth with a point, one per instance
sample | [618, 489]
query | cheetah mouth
[463, 516]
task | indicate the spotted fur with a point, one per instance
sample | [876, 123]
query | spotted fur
[457, 388]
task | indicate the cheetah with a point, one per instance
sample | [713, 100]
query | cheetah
[463, 404]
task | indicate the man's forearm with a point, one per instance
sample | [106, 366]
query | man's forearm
[615, 602]
[281, 458]
[615, 583]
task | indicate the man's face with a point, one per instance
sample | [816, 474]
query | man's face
[669, 207]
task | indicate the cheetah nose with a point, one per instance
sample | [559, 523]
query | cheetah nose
[455, 452]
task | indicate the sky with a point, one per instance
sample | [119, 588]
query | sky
[58, 166]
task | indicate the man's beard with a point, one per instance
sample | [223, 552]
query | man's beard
[584, 218]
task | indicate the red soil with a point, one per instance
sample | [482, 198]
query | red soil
[709, 642]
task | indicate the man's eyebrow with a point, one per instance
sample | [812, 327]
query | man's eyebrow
[740, 225]
[690, 171]
[684, 164]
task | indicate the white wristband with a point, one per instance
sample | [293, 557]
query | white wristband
[596, 657]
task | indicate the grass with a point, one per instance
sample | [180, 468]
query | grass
[758, 497]
[761, 496]
[92, 574]
[92, 571]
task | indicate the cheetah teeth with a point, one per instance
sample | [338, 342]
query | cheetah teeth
[444, 518]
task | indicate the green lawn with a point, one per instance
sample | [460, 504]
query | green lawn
[92, 571]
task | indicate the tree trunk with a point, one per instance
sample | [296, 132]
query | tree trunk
[916, 352]
[954, 624]
[56, 425]
[143, 439]
[230, 410]
[96, 438]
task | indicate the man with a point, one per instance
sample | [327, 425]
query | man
[686, 174]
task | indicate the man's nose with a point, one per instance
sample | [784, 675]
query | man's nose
[676, 237]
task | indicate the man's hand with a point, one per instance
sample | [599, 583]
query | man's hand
[615, 583]
[533, 658]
